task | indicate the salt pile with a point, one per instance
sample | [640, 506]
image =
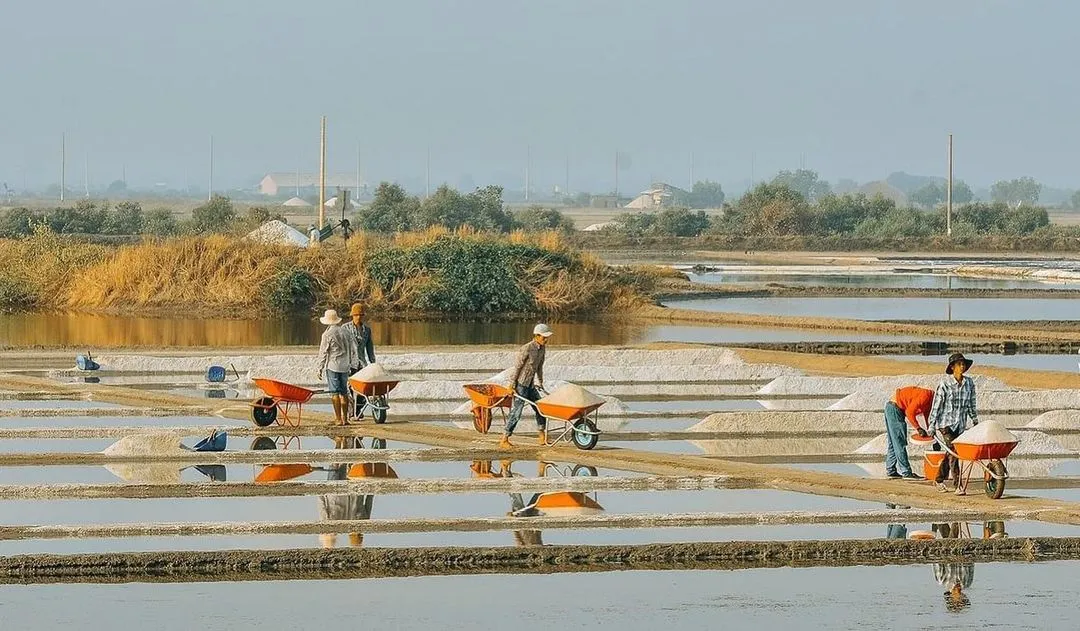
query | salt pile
[1031, 444]
[991, 400]
[277, 232]
[572, 395]
[374, 373]
[1056, 419]
[148, 444]
[882, 385]
[986, 433]
[788, 422]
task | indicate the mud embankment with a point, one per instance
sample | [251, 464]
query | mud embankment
[255, 565]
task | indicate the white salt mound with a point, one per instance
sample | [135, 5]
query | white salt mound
[145, 473]
[882, 386]
[276, 232]
[986, 433]
[572, 395]
[148, 444]
[374, 373]
[1056, 419]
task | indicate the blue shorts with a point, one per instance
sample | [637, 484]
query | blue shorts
[337, 382]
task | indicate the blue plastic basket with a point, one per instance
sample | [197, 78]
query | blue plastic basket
[215, 374]
[85, 362]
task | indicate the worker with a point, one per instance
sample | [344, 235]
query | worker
[363, 349]
[954, 406]
[910, 403]
[954, 577]
[336, 358]
[527, 378]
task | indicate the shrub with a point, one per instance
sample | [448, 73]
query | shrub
[17, 222]
[216, 215]
[86, 217]
[160, 222]
[681, 222]
[538, 219]
[290, 291]
[15, 294]
[126, 218]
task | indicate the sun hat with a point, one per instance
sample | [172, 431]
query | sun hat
[330, 317]
[958, 357]
[356, 309]
[543, 329]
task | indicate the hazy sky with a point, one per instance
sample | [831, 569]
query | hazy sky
[859, 88]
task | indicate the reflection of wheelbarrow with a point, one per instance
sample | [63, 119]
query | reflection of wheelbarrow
[374, 395]
[562, 503]
[281, 398]
[576, 423]
[279, 472]
[990, 457]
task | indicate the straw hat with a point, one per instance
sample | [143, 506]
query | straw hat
[356, 309]
[958, 357]
[330, 317]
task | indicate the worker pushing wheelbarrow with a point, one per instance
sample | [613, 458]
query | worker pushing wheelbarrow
[568, 413]
[987, 445]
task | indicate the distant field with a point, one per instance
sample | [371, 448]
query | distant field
[1065, 218]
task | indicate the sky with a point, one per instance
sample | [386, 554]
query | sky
[850, 88]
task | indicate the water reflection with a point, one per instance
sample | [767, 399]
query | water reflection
[351, 506]
[956, 576]
[104, 331]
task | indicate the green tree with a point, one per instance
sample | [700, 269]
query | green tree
[983, 218]
[929, 195]
[86, 217]
[391, 210]
[116, 188]
[538, 218]
[636, 224]
[842, 214]
[216, 215]
[160, 222]
[961, 192]
[1024, 220]
[1023, 190]
[768, 210]
[126, 218]
[17, 222]
[706, 194]
[681, 222]
[804, 181]
[896, 223]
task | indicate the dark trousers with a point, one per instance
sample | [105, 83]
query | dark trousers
[948, 462]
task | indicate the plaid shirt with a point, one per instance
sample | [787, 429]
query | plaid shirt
[954, 404]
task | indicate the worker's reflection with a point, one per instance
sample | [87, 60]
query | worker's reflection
[518, 506]
[954, 577]
[351, 506]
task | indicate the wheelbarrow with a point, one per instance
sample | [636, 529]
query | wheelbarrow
[374, 394]
[487, 397]
[282, 400]
[991, 458]
[577, 424]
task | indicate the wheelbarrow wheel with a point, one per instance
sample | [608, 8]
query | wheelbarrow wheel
[584, 470]
[995, 486]
[378, 409]
[263, 443]
[264, 411]
[585, 434]
[481, 420]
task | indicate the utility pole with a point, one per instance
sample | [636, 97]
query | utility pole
[616, 178]
[210, 181]
[948, 195]
[322, 172]
[63, 164]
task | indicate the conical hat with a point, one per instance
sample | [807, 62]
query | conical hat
[374, 373]
[572, 395]
[987, 433]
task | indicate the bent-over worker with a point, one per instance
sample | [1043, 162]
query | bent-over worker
[954, 406]
[528, 376]
[910, 403]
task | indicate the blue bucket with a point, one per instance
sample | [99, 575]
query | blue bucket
[215, 374]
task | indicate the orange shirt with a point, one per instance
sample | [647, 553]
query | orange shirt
[914, 401]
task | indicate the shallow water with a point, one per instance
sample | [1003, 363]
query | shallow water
[1015, 596]
[879, 280]
[915, 308]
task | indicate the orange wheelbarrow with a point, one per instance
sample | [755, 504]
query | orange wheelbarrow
[487, 397]
[374, 399]
[283, 403]
[990, 457]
